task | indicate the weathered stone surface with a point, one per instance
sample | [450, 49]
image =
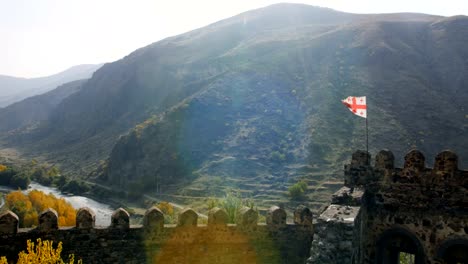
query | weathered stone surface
[153, 219]
[333, 236]
[8, 223]
[247, 217]
[303, 216]
[187, 217]
[120, 219]
[340, 213]
[385, 160]
[170, 244]
[446, 161]
[415, 160]
[360, 158]
[48, 220]
[412, 209]
[217, 216]
[85, 218]
[276, 217]
[347, 196]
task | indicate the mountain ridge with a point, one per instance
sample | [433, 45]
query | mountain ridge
[15, 89]
[243, 100]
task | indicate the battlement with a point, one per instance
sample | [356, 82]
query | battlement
[414, 209]
[444, 173]
[273, 242]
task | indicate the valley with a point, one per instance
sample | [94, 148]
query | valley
[251, 104]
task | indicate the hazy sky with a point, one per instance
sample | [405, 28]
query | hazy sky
[43, 37]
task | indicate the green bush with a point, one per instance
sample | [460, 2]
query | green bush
[297, 191]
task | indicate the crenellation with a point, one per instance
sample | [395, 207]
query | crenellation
[217, 217]
[414, 172]
[121, 243]
[414, 209]
[276, 217]
[9, 223]
[85, 218]
[120, 219]
[360, 158]
[153, 220]
[247, 217]
[188, 217]
[303, 216]
[446, 162]
[385, 160]
[48, 220]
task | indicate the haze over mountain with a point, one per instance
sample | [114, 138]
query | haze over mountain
[14, 89]
[32, 110]
[256, 99]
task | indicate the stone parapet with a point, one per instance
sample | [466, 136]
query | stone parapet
[154, 242]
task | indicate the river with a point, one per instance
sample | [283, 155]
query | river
[103, 211]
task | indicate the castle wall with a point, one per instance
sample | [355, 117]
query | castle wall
[335, 230]
[418, 210]
[153, 242]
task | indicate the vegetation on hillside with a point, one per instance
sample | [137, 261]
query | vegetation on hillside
[43, 252]
[28, 206]
[259, 101]
[297, 190]
[232, 203]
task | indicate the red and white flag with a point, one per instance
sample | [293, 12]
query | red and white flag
[357, 105]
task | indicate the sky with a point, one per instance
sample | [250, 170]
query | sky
[44, 37]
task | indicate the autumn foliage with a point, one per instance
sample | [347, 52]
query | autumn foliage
[41, 253]
[29, 206]
[2, 167]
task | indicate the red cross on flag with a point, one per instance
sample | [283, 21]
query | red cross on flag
[357, 105]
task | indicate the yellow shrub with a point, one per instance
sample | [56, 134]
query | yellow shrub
[2, 168]
[42, 253]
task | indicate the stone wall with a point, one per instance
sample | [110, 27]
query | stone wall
[153, 242]
[418, 210]
[334, 231]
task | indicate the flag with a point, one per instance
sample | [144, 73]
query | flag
[357, 105]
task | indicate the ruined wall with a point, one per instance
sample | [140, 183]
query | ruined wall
[414, 209]
[334, 231]
[154, 242]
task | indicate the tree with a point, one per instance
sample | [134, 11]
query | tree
[28, 207]
[297, 191]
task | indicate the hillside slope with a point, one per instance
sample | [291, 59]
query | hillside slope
[31, 111]
[15, 89]
[254, 100]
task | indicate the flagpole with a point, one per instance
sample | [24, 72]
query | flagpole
[367, 143]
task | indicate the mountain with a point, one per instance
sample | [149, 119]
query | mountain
[253, 102]
[31, 111]
[15, 89]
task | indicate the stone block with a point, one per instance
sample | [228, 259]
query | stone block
[385, 160]
[446, 161]
[85, 218]
[303, 216]
[187, 217]
[360, 158]
[276, 217]
[415, 160]
[120, 219]
[153, 219]
[9, 223]
[247, 217]
[48, 220]
[217, 216]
